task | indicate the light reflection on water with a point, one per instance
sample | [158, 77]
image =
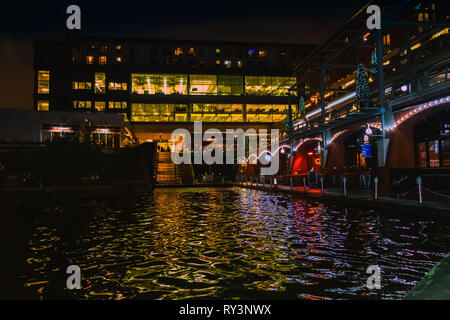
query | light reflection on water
[223, 243]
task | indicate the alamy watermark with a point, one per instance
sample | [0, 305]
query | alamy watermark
[235, 140]
[374, 281]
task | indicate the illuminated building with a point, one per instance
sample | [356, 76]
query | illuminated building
[161, 85]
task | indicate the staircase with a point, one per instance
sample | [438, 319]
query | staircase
[169, 173]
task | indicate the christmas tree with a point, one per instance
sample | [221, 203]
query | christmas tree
[289, 125]
[373, 70]
[301, 108]
[362, 85]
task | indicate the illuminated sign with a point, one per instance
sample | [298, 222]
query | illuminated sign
[366, 150]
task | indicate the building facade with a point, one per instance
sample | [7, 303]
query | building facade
[161, 85]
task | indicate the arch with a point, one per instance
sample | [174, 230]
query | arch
[307, 157]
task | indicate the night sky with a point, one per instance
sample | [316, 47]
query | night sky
[280, 21]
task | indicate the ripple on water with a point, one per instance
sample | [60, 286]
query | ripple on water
[226, 243]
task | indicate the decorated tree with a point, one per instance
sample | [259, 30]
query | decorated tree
[301, 108]
[289, 124]
[362, 85]
[373, 70]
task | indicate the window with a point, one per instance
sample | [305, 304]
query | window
[251, 53]
[272, 86]
[265, 113]
[230, 85]
[118, 48]
[433, 151]
[203, 84]
[147, 112]
[89, 59]
[166, 84]
[387, 40]
[102, 60]
[117, 86]
[42, 105]
[118, 59]
[217, 51]
[100, 105]
[262, 53]
[218, 62]
[82, 104]
[178, 51]
[43, 81]
[445, 153]
[103, 48]
[100, 82]
[77, 85]
[117, 104]
[239, 63]
[227, 64]
[217, 112]
[191, 52]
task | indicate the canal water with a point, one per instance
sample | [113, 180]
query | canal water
[215, 244]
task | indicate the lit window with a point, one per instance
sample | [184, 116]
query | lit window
[118, 47]
[178, 51]
[81, 85]
[100, 82]
[43, 81]
[227, 64]
[89, 59]
[191, 52]
[158, 84]
[239, 63]
[100, 105]
[262, 53]
[119, 59]
[251, 52]
[218, 51]
[42, 105]
[102, 60]
[387, 40]
[217, 62]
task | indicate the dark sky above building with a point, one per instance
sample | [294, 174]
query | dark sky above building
[21, 23]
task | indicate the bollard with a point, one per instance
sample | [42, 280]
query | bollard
[321, 184]
[344, 180]
[375, 182]
[275, 182]
[419, 182]
[304, 184]
[290, 182]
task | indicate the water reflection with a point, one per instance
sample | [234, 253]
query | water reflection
[225, 243]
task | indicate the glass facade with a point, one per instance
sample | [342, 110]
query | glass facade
[203, 85]
[43, 81]
[268, 86]
[149, 112]
[266, 113]
[159, 83]
[217, 112]
[200, 84]
[230, 85]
